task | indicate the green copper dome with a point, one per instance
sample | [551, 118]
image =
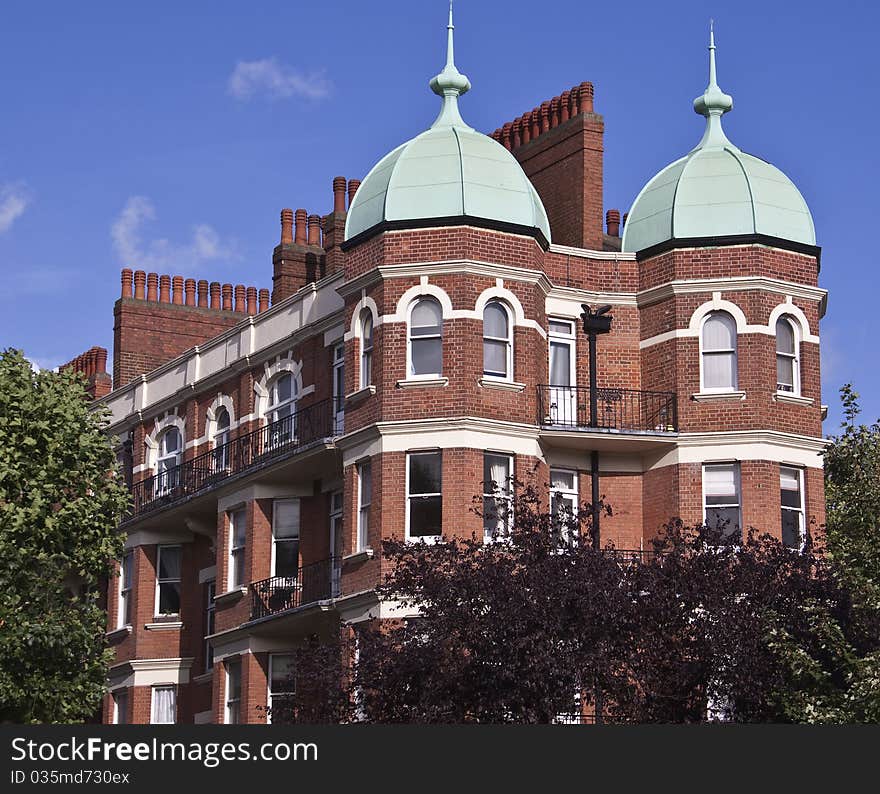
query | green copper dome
[449, 171]
[717, 190]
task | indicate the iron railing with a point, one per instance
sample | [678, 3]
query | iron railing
[616, 409]
[305, 426]
[316, 582]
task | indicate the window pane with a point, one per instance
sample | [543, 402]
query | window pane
[425, 518]
[784, 337]
[560, 364]
[719, 332]
[169, 598]
[222, 419]
[170, 441]
[494, 357]
[127, 563]
[784, 373]
[495, 321]
[560, 327]
[562, 480]
[281, 673]
[169, 562]
[496, 471]
[286, 518]
[239, 528]
[286, 557]
[426, 317]
[720, 481]
[366, 483]
[719, 370]
[791, 529]
[427, 356]
[494, 518]
[238, 568]
[164, 706]
[725, 519]
[284, 388]
[425, 474]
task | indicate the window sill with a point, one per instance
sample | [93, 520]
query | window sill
[118, 634]
[203, 678]
[794, 399]
[358, 556]
[230, 595]
[719, 396]
[360, 394]
[418, 383]
[502, 385]
[168, 625]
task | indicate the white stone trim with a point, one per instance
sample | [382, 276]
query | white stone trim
[789, 448]
[151, 441]
[171, 625]
[271, 370]
[670, 289]
[588, 253]
[150, 672]
[208, 574]
[254, 491]
[732, 395]
[354, 327]
[419, 382]
[794, 399]
[501, 384]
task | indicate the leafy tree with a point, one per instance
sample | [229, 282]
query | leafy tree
[61, 498]
[693, 629]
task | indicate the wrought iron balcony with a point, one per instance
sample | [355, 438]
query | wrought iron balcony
[316, 582]
[277, 439]
[621, 410]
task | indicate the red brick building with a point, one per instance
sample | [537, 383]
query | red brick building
[424, 337]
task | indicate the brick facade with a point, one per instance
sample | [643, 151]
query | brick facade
[231, 348]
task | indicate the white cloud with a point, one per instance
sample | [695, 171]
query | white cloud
[276, 80]
[160, 253]
[38, 364]
[14, 200]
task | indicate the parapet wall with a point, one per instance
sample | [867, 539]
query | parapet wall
[158, 317]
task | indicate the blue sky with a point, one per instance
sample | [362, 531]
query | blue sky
[169, 135]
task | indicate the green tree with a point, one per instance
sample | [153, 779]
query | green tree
[61, 498]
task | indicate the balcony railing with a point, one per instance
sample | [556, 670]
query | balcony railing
[316, 582]
[305, 426]
[626, 410]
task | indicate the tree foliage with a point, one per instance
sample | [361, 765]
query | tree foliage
[60, 502]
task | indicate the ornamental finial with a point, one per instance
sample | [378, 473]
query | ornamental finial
[450, 83]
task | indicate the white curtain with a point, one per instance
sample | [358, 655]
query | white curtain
[164, 705]
[720, 481]
[286, 518]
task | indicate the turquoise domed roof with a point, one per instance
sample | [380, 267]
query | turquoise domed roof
[449, 171]
[717, 190]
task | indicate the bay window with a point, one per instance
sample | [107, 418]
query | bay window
[424, 495]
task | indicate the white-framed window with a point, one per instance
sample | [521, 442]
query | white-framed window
[126, 575]
[718, 369]
[232, 712]
[336, 538]
[425, 349]
[497, 473]
[497, 341]
[168, 580]
[722, 498]
[338, 389]
[787, 369]
[563, 501]
[424, 497]
[282, 683]
[365, 498]
[210, 613]
[281, 411]
[220, 440]
[170, 450]
[366, 348]
[791, 499]
[285, 537]
[120, 707]
[163, 709]
[237, 545]
[561, 397]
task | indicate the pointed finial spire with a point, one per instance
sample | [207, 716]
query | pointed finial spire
[450, 84]
[713, 103]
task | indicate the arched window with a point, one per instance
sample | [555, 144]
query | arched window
[497, 343]
[281, 412]
[426, 338]
[170, 448]
[221, 439]
[718, 354]
[787, 375]
[366, 348]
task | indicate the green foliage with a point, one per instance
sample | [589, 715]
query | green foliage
[61, 498]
